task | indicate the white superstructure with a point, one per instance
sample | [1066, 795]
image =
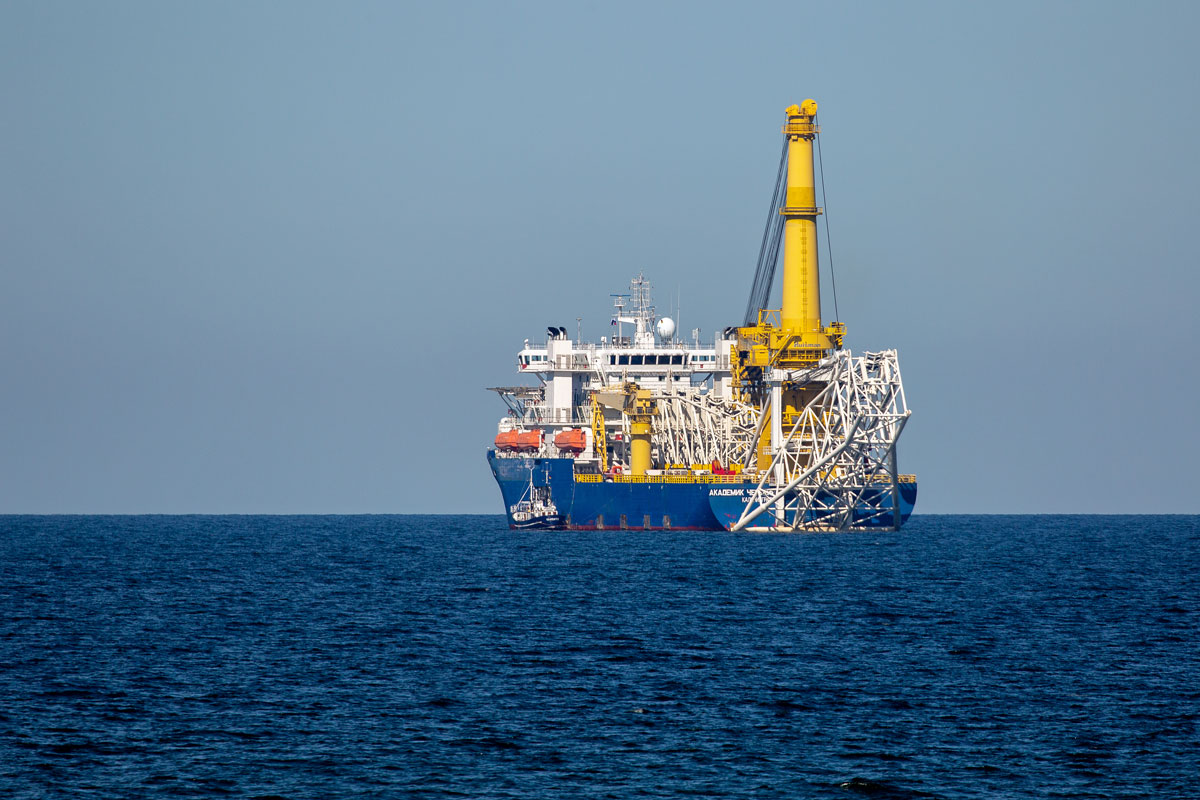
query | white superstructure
[689, 381]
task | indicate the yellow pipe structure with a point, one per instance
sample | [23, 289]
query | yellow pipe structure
[599, 433]
[801, 311]
[640, 407]
[639, 447]
[639, 431]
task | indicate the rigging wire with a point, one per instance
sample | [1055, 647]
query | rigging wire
[765, 271]
[768, 253]
[828, 239]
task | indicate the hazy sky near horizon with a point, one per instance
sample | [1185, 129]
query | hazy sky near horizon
[265, 257]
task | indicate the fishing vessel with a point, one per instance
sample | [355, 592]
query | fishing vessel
[772, 426]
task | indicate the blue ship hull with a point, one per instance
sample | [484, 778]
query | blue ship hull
[604, 505]
[728, 503]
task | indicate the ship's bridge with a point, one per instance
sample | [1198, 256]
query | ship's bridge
[604, 357]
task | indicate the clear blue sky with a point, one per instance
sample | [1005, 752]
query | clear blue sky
[265, 257]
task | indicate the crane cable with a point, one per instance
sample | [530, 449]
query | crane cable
[828, 239]
[768, 253]
[772, 238]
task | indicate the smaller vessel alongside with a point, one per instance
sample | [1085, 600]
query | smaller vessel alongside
[535, 509]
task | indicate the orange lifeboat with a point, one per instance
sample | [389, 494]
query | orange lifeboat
[506, 440]
[572, 440]
[529, 440]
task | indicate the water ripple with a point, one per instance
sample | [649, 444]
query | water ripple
[340, 657]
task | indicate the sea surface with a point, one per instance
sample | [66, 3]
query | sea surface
[446, 656]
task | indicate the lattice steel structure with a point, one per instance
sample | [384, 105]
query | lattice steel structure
[835, 466]
[695, 428]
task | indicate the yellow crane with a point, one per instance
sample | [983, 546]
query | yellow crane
[792, 338]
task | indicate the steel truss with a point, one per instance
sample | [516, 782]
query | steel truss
[835, 467]
[695, 428]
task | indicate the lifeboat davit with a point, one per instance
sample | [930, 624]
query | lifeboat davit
[529, 441]
[506, 440]
[572, 440]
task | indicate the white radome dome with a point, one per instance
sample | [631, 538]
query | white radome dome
[665, 328]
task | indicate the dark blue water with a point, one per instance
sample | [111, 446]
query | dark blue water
[331, 657]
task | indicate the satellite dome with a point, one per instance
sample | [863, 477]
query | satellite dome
[665, 328]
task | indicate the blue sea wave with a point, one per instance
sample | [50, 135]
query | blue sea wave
[338, 657]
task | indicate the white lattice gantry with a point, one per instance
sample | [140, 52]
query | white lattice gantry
[835, 467]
